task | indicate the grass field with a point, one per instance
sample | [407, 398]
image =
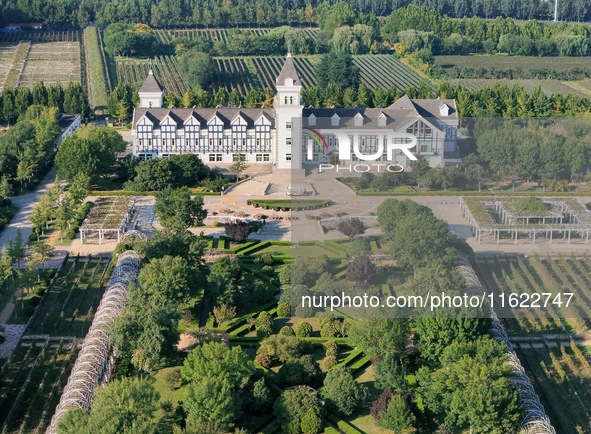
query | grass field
[259, 72]
[98, 86]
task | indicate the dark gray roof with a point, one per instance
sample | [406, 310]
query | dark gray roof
[288, 71]
[428, 108]
[203, 115]
[395, 118]
[151, 84]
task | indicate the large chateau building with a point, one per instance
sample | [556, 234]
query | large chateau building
[289, 135]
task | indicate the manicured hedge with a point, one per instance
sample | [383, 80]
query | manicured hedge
[290, 205]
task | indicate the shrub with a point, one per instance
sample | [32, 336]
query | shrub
[303, 370]
[332, 348]
[172, 378]
[304, 330]
[283, 310]
[286, 331]
[263, 359]
[328, 362]
[216, 224]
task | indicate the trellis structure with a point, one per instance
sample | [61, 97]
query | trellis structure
[490, 218]
[107, 218]
[95, 361]
[535, 420]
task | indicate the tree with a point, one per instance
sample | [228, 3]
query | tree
[176, 210]
[304, 329]
[282, 348]
[455, 394]
[264, 324]
[125, 406]
[397, 416]
[238, 167]
[338, 69]
[223, 314]
[260, 399]
[291, 407]
[351, 227]
[212, 400]
[342, 392]
[390, 374]
[311, 423]
[17, 249]
[433, 335]
[168, 281]
[41, 252]
[303, 370]
[239, 230]
[216, 361]
[378, 337]
[92, 151]
[361, 269]
[196, 68]
[5, 190]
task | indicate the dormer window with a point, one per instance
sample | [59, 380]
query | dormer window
[358, 120]
[312, 120]
[382, 120]
[444, 110]
[335, 120]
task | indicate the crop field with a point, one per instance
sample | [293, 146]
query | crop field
[166, 36]
[7, 53]
[134, 72]
[43, 36]
[33, 379]
[51, 57]
[561, 376]
[259, 72]
[67, 308]
[559, 370]
[96, 72]
[538, 275]
[52, 62]
[549, 86]
[525, 63]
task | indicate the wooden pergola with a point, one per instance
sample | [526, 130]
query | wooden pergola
[491, 221]
[107, 219]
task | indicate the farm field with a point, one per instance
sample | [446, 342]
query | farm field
[537, 275]
[525, 63]
[561, 377]
[548, 86]
[35, 374]
[34, 378]
[559, 370]
[259, 72]
[98, 84]
[167, 35]
[51, 57]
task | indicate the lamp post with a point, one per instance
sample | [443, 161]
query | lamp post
[555, 10]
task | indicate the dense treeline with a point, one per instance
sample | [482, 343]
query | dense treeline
[262, 12]
[15, 102]
[28, 147]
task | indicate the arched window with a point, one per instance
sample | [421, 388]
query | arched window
[285, 100]
[291, 100]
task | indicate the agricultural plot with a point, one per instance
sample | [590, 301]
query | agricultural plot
[52, 62]
[166, 36]
[525, 63]
[165, 68]
[32, 382]
[542, 275]
[43, 36]
[67, 309]
[259, 72]
[549, 87]
[7, 53]
[561, 377]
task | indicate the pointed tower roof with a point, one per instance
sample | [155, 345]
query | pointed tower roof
[151, 85]
[288, 71]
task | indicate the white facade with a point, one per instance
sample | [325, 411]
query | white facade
[290, 136]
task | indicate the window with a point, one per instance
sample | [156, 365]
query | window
[288, 141]
[288, 125]
[262, 157]
[285, 101]
[238, 157]
[287, 157]
[215, 157]
[291, 100]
